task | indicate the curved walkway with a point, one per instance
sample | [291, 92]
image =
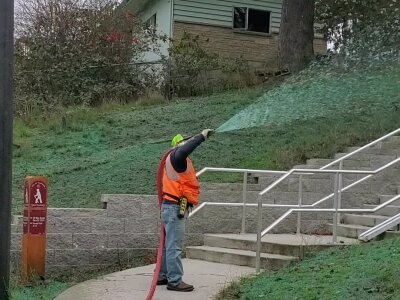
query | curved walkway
[207, 277]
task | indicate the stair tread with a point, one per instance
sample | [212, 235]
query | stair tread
[352, 226]
[243, 252]
[369, 216]
[373, 205]
[286, 238]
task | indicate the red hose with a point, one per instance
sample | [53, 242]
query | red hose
[160, 172]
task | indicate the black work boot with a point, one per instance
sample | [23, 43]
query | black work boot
[181, 287]
[162, 282]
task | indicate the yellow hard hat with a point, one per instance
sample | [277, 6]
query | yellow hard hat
[177, 139]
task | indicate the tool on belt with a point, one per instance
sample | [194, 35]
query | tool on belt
[183, 205]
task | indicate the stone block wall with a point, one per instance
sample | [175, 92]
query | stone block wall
[260, 50]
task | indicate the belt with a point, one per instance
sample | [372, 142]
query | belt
[169, 202]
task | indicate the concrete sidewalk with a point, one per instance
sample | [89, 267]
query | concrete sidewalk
[207, 277]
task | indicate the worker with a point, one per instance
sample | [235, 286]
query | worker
[179, 186]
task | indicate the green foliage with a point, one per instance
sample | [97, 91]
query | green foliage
[74, 52]
[44, 291]
[361, 29]
[195, 70]
[356, 272]
[322, 91]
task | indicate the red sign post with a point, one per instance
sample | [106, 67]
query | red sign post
[34, 231]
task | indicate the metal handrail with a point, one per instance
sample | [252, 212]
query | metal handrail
[301, 208]
[380, 228]
[361, 149]
[336, 208]
[234, 170]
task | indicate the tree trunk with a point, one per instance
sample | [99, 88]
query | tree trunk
[296, 34]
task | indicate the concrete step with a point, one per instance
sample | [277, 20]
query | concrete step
[364, 220]
[354, 231]
[281, 244]
[350, 231]
[389, 211]
[227, 196]
[211, 186]
[319, 161]
[385, 198]
[238, 257]
[376, 151]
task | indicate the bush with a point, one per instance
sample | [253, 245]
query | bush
[194, 71]
[72, 52]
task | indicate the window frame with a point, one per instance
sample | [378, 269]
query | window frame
[246, 28]
[149, 21]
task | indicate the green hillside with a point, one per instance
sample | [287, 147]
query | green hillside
[115, 149]
[356, 272]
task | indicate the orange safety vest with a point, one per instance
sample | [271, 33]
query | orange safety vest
[177, 185]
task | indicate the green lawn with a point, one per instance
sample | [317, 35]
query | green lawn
[357, 272]
[46, 291]
[116, 149]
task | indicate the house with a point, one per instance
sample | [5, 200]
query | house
[232, 28]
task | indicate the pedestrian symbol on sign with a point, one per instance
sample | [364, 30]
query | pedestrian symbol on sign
[38, 197]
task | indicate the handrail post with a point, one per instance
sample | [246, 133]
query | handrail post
[244, 203]
[340, 185]
[300, 203]
[259, 229]
[335, 207]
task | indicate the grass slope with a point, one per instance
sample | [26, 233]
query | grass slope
[89, 152]
[356, 272]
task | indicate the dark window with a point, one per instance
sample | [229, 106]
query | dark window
[251, 19]
[258, 20]
[239, 18]
[152, 21]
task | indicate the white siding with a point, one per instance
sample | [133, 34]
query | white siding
[162, 9]
[220, 12]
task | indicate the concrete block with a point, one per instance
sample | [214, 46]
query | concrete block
[75, 257]
[350, 231]
[201, 225]
[104, 225]
[69, 225]
[16, 241]
[59, 241]
[149, 210]
[90, 241]
[76, 212]
[124, 207]
[210, 186]
[364, 220]
[16, 228]
[193, 239]
[355, 200]
[142, 225]
[227, 196]
[15, 261]
[319, 161]
[18, 220]
[133, 240]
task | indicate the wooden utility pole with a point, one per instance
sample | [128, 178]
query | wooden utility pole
[6, 112]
